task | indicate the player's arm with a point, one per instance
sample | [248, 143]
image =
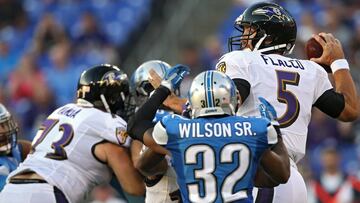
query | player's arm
[142, 120]
[119, 160]
[341, 102]
[25, 148]
[173, 102]
[275, 166]
[135, 149]
[152, 161]
[274, 163]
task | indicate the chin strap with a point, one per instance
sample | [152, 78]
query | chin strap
[280, 46]
[258, 44]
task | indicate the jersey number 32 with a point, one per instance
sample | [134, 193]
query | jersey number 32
[206, 173]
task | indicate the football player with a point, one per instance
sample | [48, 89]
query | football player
[292, 86]
[79, 145]
[215, 154]
[12, 151]
[159, 187]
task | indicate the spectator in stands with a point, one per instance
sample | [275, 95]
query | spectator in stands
[321, 127]
[91, 44]
[8, 60]
[28, 92]
[189, 55]
[62, 75]
[90, 36]
[47, 34]
[10, 10]
[28, 82]
[211, 53]
[332, 185]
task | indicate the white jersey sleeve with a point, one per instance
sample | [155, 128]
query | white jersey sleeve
[112, 130]
[323, 82]
[234, 65]
[159, 134]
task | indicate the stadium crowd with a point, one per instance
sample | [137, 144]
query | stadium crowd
[45, 45]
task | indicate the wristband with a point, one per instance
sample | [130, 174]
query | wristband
[339, 64]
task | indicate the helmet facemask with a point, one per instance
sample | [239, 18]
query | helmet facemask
[251, 35]
[8, 135]
[114, 91]
[142, 92]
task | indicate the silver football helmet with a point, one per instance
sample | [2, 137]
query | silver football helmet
[140, 85]
[213, 93]
[8, 131]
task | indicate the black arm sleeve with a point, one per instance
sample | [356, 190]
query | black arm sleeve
[142, 120]
[243, 87]
[331, 103]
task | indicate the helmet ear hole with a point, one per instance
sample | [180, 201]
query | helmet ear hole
[268, 40]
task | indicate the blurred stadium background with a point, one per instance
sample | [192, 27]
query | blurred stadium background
[45, 44]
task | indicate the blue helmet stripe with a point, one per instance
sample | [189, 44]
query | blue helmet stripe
[212, 86]
[205, 88]
[162, 66]
[209, 92]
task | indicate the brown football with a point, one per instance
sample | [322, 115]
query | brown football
[314, 50]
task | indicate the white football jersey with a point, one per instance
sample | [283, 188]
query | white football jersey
[292, 86]
[64, 149]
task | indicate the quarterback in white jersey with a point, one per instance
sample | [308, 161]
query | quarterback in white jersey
[79, 146]
[292, 86]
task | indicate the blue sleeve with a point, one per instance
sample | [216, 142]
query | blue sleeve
[2, 181]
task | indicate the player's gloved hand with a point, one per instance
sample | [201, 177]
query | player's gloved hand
[267, 110]
[174, 76]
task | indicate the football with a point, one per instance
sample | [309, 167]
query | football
[313, 49]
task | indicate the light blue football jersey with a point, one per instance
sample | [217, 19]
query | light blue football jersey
[215, 158]
[8, 164]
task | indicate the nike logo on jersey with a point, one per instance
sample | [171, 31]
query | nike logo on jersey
[293, 63]
[215, 129]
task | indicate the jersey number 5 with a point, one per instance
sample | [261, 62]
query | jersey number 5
[58, 146]
[285, 96]
[206, 174]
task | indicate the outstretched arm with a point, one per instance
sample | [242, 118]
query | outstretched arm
[275, 166]
[173, 102]
[119, 160]
[345, 90]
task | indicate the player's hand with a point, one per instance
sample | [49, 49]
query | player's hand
[332, 49]
[174, 76]
[154, 79]
[267, 110]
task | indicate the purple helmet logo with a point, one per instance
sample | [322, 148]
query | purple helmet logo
[270, 12]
